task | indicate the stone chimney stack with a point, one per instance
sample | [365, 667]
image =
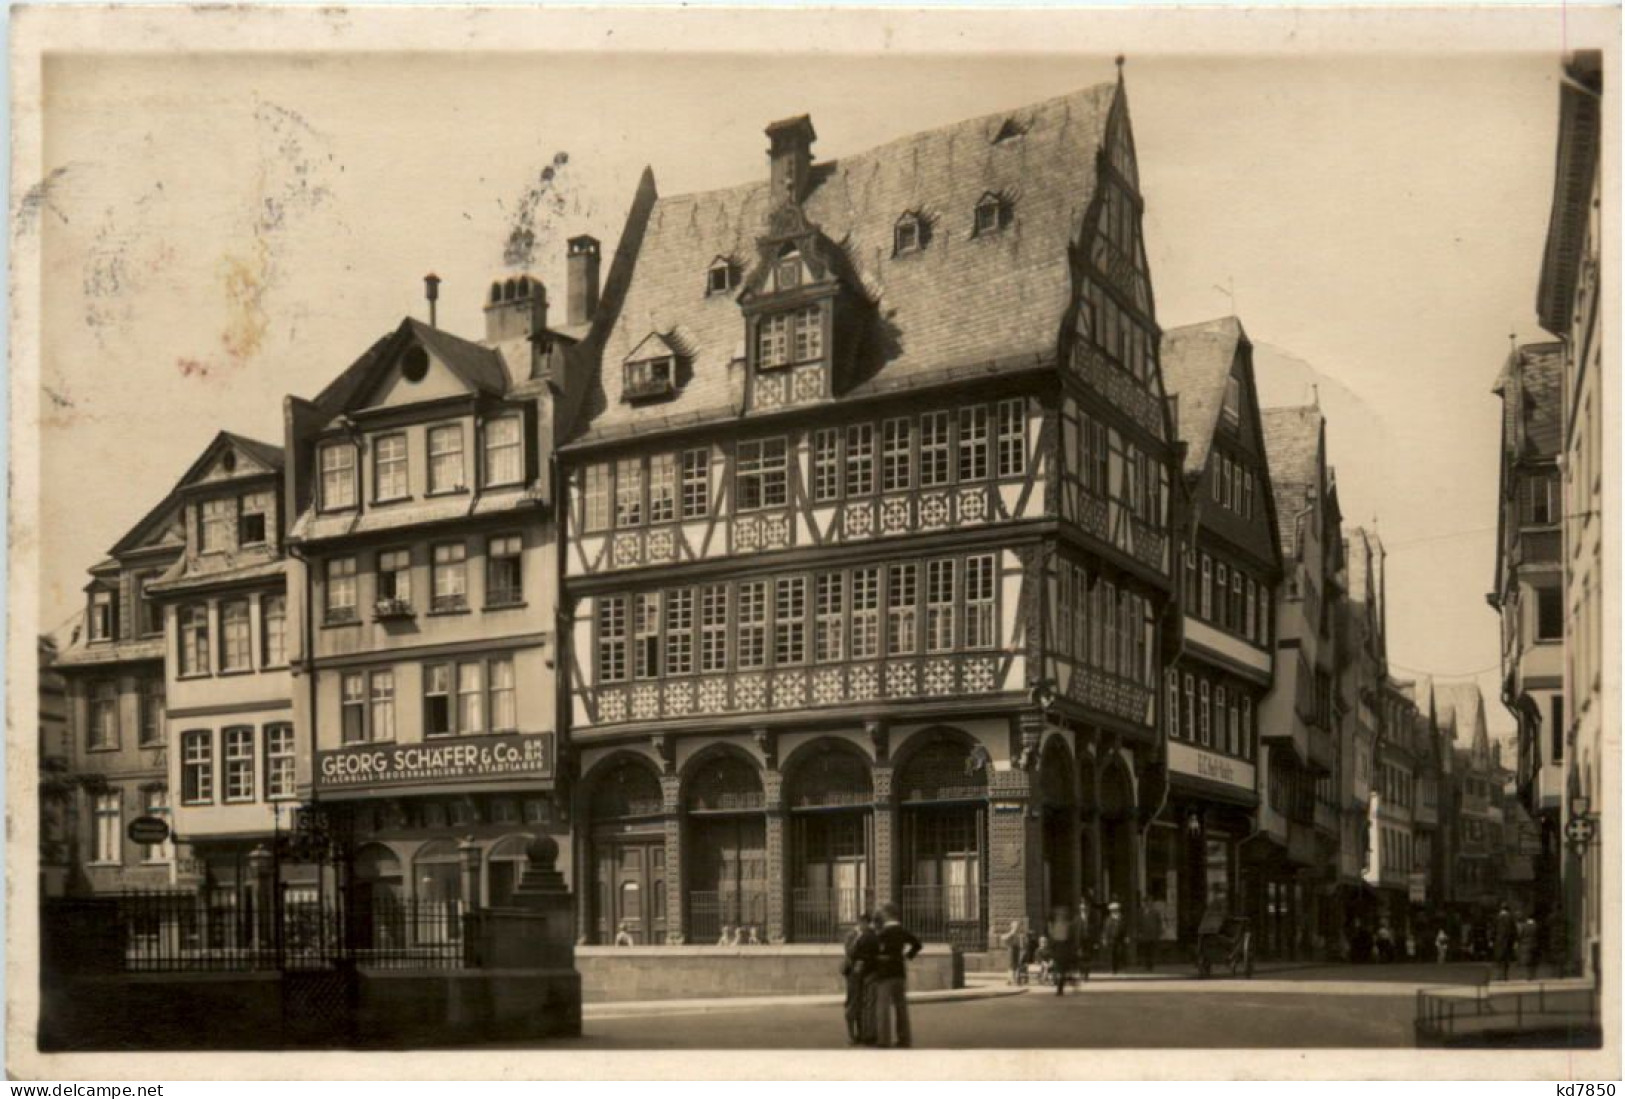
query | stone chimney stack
[581, 284]
[790, 160]
[515, 310]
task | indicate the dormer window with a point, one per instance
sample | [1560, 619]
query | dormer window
[911, 234]
[993, 213]
[722, 276]
[1232, 400]
[101, 616]
[338, 476]
[651, 378]
[794, 336]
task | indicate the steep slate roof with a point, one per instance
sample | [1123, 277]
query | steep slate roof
[1540, 389]
[1196, 363]
[1292, 449]
[962, 301]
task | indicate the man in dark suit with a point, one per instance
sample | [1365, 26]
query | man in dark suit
[1506, 938]
[897, 947]
[862, 948]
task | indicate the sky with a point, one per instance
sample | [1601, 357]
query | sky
[218, 231]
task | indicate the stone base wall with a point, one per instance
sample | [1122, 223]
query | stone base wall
[399, 1008]
[610, 974]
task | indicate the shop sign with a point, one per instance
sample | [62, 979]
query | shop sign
[454, 759]
[147, 830]
[1190, 760]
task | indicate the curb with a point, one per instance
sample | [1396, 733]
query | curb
[633, 1009]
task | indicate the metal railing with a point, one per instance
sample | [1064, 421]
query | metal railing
[709, 911]
[186, 932]
[1563, 1015]
[825, 915]
[954, 914]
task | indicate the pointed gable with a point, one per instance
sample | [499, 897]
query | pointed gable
[1293, 441]
[1197, 362]
[415, 363]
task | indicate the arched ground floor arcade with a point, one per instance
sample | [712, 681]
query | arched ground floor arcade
[784, 835]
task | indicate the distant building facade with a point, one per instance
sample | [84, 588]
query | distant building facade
[1230, 557]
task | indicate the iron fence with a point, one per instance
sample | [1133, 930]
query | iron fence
[176, 932]
[955, 914]
[709, 911]
[825, 915]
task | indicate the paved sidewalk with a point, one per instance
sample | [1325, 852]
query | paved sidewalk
[627, 1008]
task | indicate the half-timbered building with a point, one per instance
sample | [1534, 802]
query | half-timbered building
[1230, 556]
[867, 540]
[424, 555]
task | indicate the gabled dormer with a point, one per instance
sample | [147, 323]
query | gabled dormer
[650, 371]
[798, 290]
[231, 506]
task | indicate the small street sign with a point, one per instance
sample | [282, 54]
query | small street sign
[147, 830]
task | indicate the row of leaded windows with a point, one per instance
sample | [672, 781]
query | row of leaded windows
[1103, 625]
[659, 488]
[1232, 485]
[235, 653]
[1225, 596]
[240, 767]
[1115, 331]
[448, 578]
[502, 463]
[794, 336]
[460, 698]
[1096, 450]
[935, 606]
[1199, 711]
[940, 448]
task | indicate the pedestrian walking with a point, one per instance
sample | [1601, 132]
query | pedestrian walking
[1063, 946]
[1086, 935]
[1506, 939]
[1529, 946]
[1385, 943]
[1151, 917]
[862, 948]
[1017, 943]
[1441, 943]
[897, 947]
[1111, 936]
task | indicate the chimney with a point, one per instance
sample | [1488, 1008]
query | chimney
[581, 283]
[790, 159]
[431, 290]
[515, 310]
